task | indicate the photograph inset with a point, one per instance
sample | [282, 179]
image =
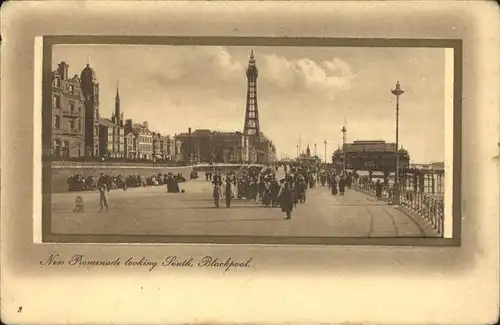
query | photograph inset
[248, 141]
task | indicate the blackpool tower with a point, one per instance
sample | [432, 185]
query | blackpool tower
[252, 127]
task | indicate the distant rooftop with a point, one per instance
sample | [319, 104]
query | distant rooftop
[106, 122]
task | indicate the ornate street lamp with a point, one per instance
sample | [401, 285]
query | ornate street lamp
[325, 152]
[344, 130]
[397, 92]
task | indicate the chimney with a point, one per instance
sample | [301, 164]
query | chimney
[63, 70]
[128, 125]
[189, 130]
[145, 124]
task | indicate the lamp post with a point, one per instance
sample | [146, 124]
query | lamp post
[315, 154]
[397, 92]
[298, 151]
[344, 130]
[325, 152]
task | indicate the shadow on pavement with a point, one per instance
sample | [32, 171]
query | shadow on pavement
[361, 205]
[234, 220]
[222, 207]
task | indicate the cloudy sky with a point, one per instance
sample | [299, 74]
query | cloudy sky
[303, 93]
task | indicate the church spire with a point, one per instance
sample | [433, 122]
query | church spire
[117, 93]
[117, 106]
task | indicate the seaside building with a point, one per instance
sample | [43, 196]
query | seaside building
[144, 140]
[68, 114]
[208, 146]
[374, 155]
[112, 133]
[161, 146]
[90, 91]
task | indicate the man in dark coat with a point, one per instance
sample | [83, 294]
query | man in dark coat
[275, 188]
[378, 189]
[287, 200]
[342, 184]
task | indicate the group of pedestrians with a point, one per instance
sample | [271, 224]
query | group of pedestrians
[105, 183]
[263, 187]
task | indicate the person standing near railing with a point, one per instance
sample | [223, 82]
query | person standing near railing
[378, 189]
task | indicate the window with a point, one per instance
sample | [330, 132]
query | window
[71, 107]
[57, 82]
[57, 147]
[57, 122]
[56, 101]
[71, 88]
[72, 125]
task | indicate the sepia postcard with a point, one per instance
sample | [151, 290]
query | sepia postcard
[164, 139]
[262, 152]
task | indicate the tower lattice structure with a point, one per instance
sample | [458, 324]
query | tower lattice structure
[252, 127]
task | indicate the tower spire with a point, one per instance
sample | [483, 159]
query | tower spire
[117, 106]
[252, 126]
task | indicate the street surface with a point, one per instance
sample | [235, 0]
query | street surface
[153, 211]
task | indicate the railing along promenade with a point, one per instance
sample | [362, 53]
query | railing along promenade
[147, 164]
[427, 205]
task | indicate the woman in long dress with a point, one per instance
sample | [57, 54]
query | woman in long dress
[217, 194]
[334, 186]
[342, 183]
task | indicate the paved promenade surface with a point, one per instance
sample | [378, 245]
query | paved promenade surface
[152, 211]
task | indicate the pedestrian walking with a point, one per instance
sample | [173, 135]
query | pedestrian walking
[229, 193]
[103, 197]
[217, 193]
[334, 186]
[378, 189]
[342, 184]
[287, 201]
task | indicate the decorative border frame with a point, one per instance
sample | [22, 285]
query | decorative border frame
[455, 44]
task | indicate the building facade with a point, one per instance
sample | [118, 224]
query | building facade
[168, 149]
[371, 155]
[206, 146]
[68, 114]
[230, 147]
[130, 145]
[162, 147]
[144, 141]
[90, 91]
[112, 133]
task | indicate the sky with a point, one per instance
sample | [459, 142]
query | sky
[304, 93]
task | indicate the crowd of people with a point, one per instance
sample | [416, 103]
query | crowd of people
[255, 183]
[105, 183]
[262, 185]
[80, 183]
